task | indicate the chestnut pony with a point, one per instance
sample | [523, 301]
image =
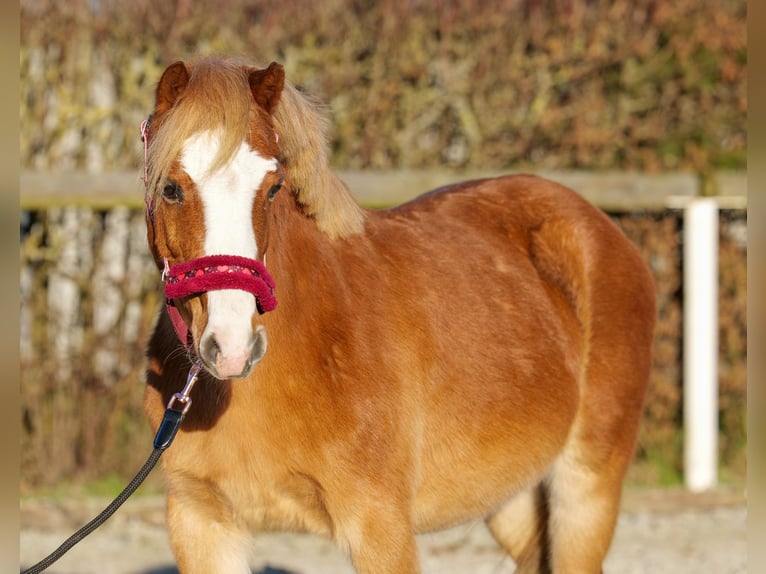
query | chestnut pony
[481, 352]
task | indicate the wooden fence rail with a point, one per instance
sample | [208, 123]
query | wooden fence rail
[611, 191]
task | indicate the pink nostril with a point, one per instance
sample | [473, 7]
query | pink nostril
[210, 350]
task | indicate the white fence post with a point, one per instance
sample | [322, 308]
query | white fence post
[700, 404]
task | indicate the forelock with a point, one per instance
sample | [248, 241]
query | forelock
[216, 99]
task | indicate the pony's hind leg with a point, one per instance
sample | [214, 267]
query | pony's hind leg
[520, 526]
[563, 525]
[203, 545]
[584, 506]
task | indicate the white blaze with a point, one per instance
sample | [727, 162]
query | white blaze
[227, 196]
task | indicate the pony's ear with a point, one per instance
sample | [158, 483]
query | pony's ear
[266, 86]
[172, 84]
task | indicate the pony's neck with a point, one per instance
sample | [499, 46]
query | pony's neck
[295, 228]
[301, 255]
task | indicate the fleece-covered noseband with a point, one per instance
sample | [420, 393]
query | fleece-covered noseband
[211, 273]
[221, 272]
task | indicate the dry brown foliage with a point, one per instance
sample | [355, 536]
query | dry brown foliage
[635, 84]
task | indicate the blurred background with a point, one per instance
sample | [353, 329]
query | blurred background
[635, 103]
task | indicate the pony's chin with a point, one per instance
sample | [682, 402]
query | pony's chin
[224, 370]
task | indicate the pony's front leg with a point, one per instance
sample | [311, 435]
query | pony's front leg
[203, 545]
[387, 553]
[381, 542]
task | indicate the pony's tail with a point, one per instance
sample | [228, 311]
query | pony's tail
[302, 130]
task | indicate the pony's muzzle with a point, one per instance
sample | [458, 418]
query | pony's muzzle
[225, 361]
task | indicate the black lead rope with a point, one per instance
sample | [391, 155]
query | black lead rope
[99, 520]
[171, 422]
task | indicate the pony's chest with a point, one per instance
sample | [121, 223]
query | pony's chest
[291, 504]
[255, 489]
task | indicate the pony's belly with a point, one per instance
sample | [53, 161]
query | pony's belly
[467, 489]
[478, 453]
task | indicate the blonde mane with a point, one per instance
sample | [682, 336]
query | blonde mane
[302, 130]
[218, 97]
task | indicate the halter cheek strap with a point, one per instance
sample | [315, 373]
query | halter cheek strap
[179, 325]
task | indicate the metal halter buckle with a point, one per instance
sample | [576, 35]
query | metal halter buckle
[183, 397]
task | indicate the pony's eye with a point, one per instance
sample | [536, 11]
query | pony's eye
[273, 190]
[172, 192]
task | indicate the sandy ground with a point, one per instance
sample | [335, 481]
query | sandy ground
[658, 531]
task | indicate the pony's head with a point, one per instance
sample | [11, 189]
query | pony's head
[212, 172]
